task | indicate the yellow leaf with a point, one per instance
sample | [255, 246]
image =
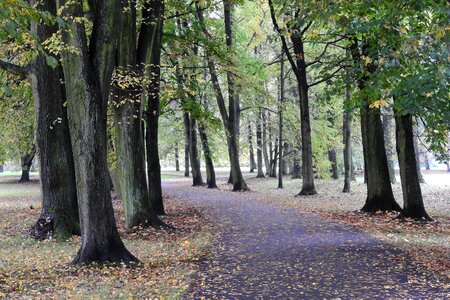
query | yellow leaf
[378, 104]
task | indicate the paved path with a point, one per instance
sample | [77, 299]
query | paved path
[269, 252]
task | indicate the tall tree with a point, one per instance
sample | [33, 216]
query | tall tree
[87, 73]
[299, 66]
[129, 133]
[230, 117]
[259, 145]
[379, 189]
[346, 135]
[59, 214]
[250, 147]
[154, 33]
[412, 195]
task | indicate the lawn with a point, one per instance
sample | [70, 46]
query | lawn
[31, 269]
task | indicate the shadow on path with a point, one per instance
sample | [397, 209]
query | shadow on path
[270, 252]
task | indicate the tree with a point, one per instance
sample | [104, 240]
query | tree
[87, 73]
[128, 86]
[230, 117]
[299, 67]
[59, 213]
[154, 33]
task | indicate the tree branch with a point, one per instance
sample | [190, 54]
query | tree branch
[283, 39]
[15, 69]
[326, 78]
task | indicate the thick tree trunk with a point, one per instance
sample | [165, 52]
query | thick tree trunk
[152, 112]
[387, 130]
[59, 215]
[250, 148]
[87, 76]
[210, 173]
[1, 169]
[197, 179]
[186, 144]
[379, 189]
[259, 145]
[177, 157]
[25, 162]
[333, 159]
[131, 175]
[412, 195]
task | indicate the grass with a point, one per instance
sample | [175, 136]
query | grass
[31, 269]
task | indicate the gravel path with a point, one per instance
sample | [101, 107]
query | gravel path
[270, 252]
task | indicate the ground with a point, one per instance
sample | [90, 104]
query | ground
[265, 242]
[30, 269]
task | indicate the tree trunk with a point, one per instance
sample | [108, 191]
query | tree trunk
[387, 130]
[286, 159]
[177, 158]
[152, 112]
[87, 76]
[333, 159]
[259, 145]
[233, 120]
[25, 162]
[264, 143]
[346, 135]
[412, 195]
[210, 173]
[197, 179]
[250, 148]
[186, 144]
[1, 169]
[280, 124]
[131, 175]
[308, 187]
[416, 152]
[379, 189]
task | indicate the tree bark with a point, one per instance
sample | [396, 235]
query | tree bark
[152, 112]
[333, 159]
[416, 152]
[250, 148]
[210, 173]
[379, 189]
[280, 124]
[264, 143]
[131, 175]
[346, 134]
[186, 144]
[412, 195]
[25, 162]
[259, 145]
[87, 76]
[177, 157]
[387, 130]
[197, 179]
